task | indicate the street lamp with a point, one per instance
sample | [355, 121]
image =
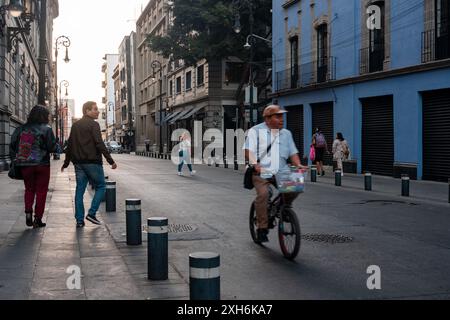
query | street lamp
[111, 108]
[157, 67]
[16, 8]
[66, 84]
[60, 41]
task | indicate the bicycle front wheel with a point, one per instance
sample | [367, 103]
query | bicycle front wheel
[289, 234]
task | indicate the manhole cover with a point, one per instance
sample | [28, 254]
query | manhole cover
[176, 228]
[327, 238]
[387, 202]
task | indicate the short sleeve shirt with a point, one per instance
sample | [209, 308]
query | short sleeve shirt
[283, 146]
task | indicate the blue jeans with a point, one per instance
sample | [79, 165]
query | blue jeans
[183, 160]
[84, 174]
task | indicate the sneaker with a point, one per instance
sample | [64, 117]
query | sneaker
[80, 224]
[93, 219]
[323, 173]
[38, 223]
[180, 174]
[262, 235]
[29, 219]
[193, 173]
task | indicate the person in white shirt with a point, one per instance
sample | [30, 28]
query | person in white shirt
[185, 155]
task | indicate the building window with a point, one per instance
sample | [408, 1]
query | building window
[171, 88]
[178, 85]
[442, 29]
[322, 52]
[294, 62]
[200, 75]
[124, 114]
[234, 72]
[188, 81]
[377, 43]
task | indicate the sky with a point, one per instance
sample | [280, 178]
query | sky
[95, 28]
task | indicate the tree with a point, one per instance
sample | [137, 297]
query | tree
[204, 29]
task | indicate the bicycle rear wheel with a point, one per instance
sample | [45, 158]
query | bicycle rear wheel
[252, 224]
[289, 234]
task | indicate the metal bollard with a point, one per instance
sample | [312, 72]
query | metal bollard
[368, 181]
[236, 165]
[110, 196]
[405, 185]
[225, 162]
[158, 249]
[216, 162]
[313, 174]
[204, 276]
[338, 178]
[448, 190]
[133, 222]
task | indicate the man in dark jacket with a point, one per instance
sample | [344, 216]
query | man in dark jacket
[85, 150]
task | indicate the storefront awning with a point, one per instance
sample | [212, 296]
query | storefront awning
[171, 115]
[191, 113]
[181, 114]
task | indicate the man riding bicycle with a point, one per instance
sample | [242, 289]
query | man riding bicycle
[268, 148]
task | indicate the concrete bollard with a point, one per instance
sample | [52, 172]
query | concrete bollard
[313, 174]
[133, 222]
[368, 181]
[158, 249]
[110, 196]
[405, 185]
[338, 178]
[204, 276]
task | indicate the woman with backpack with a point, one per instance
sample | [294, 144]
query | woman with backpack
[341, 151]
[320, 146]
[30, 148]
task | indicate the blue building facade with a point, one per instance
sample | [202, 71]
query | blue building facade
[377, 71]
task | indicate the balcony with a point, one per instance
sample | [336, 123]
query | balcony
[307, 74]
[435, 47]
[371, 60]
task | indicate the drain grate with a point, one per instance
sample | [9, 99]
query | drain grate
[175, 228]
[328, 238]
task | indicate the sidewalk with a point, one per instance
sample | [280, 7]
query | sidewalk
[33, 263]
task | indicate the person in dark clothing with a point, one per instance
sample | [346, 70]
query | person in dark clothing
[320, 145]
[30, 148]
[85, 150]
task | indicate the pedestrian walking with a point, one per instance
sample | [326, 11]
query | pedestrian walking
[320, 146]
[85, 150]
[30, 149]
[341, 151]
[185, 155]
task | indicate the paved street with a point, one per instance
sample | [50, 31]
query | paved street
[408, 238]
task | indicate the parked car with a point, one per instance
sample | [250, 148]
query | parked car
[114, 147]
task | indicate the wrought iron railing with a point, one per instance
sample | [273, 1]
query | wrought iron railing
[435, 47]
[306, 74]
[371, 60]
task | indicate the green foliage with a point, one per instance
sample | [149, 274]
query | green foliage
[204, 29]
